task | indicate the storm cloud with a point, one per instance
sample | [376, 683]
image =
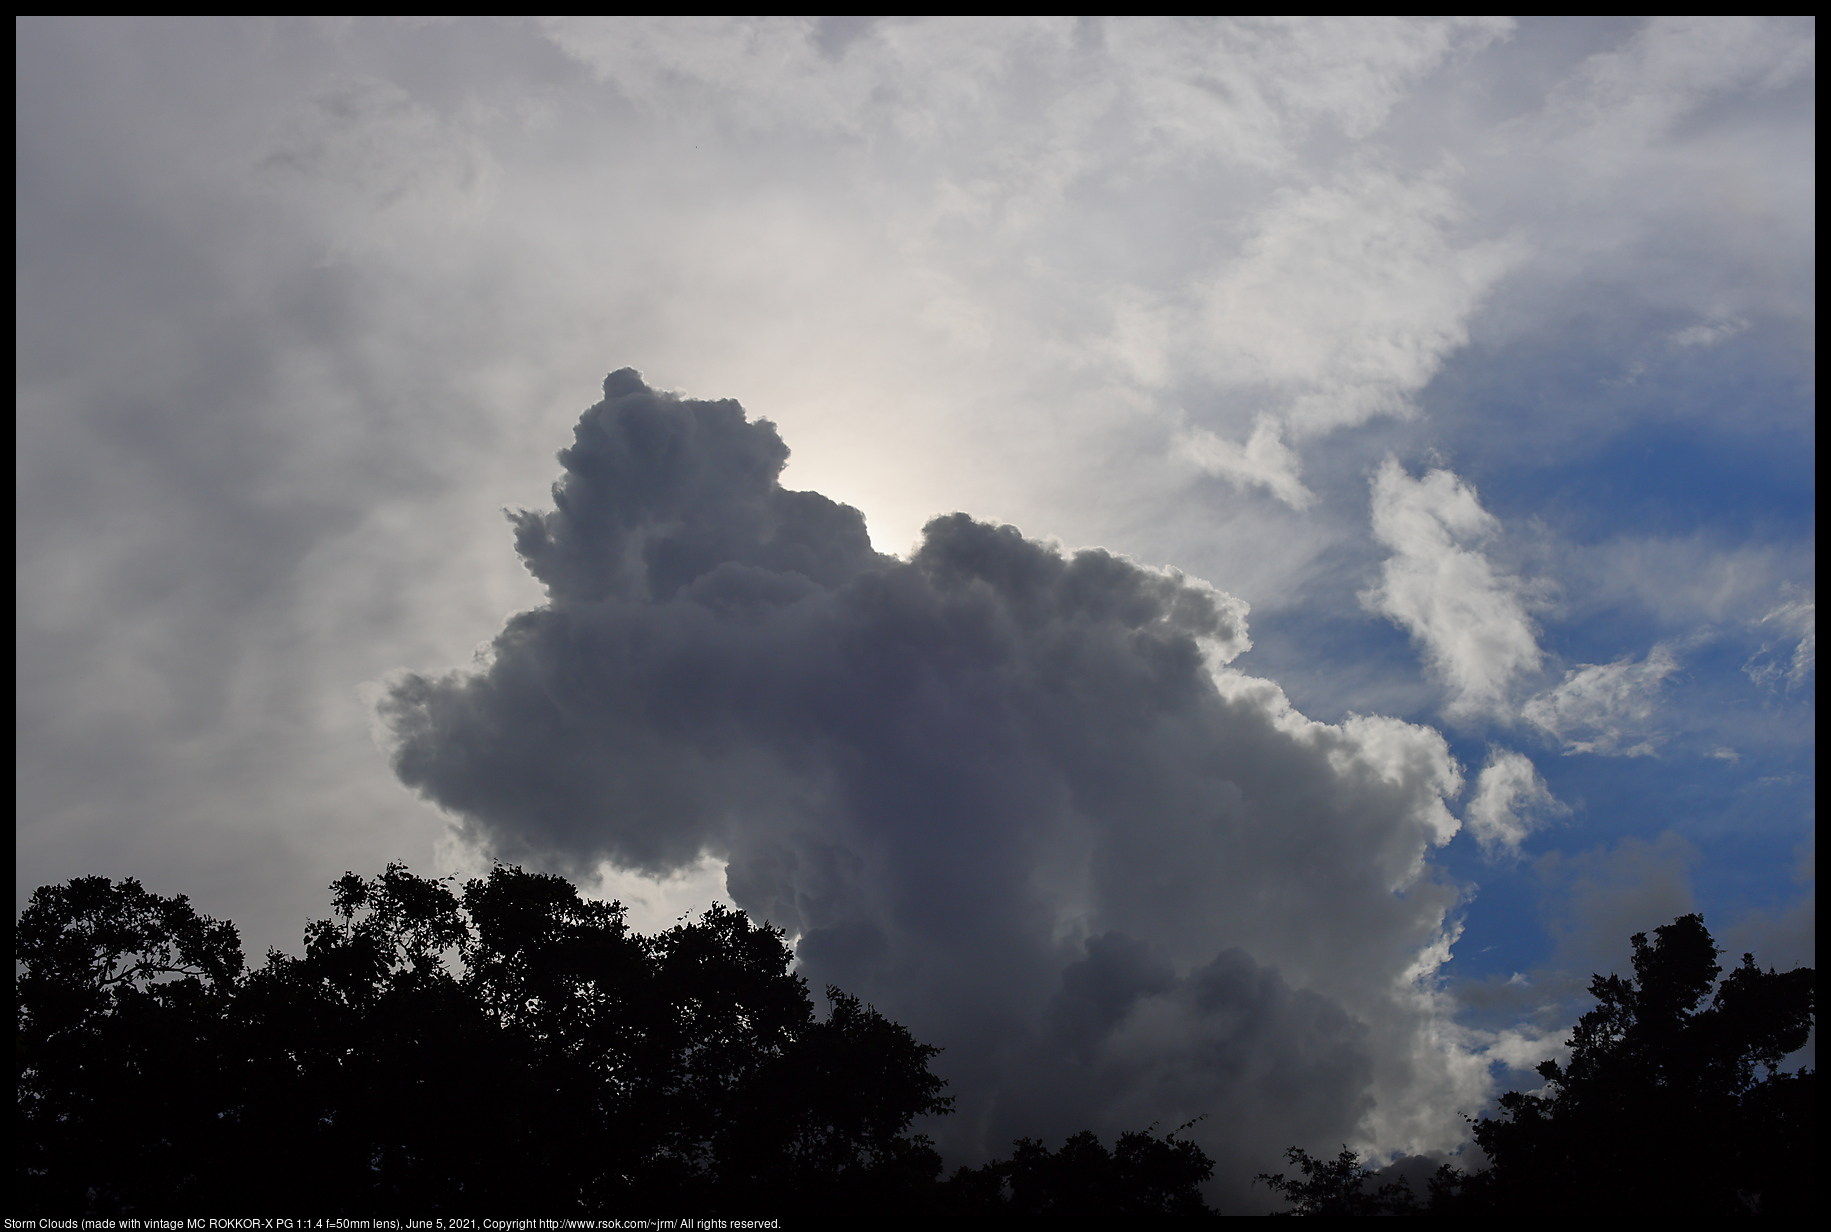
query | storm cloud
[1013, 795]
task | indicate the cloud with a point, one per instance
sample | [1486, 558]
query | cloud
[1127, 1029]
[1263, 461]
[1680, 582]
[1015, 796]
[1606, 708]
[1471, 620]
[1709, 335]
[1343, 305]
[1350, 295]
[1597, 899]
[998, 266]
[929, 78]
[1250, 88]
[1591, 902]
[1620, 101]
[1796, 620]
[1784, 933]
[367, 147]
[1510, 797]
[1332, 300]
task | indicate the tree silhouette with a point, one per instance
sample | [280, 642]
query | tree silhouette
[513, 1044]
[1338, 1186]
[1144, 1175]
[1660, 1109]
[1669, 1104]
[509, 1046]
[117, 1002]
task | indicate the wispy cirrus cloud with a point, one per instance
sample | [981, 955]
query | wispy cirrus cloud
[1795, 621]
[1609, 709]
[1341, 307]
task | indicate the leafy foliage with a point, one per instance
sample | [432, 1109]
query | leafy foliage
[1661, 1108]
[507, 1046]
[1338, 1186]
[117, 1005]
[513, 1043]
[1143, 1175]
[1670, 1104]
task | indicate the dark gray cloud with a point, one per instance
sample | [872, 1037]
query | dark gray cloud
[1231, 1039]
[1011, 794]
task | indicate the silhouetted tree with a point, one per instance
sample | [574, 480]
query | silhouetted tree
[1660, 1111]
[509, 1046]
[1339, 1186]
[118, 998]
[1144, 1175]
[370, 1072]
[514, 1044]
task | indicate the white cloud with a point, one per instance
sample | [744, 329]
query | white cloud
[1340, 299]
[1709, 335]
[1510, 800]
[1471, 620]
[1621, 101]
[1248, 89]
[1606, 708]
[1678, 581]
[924, 78]
[1797, 621]
[1349, 295]
[1277, 78]
[1523, 1048]
[1263, 461]
[1343, 304]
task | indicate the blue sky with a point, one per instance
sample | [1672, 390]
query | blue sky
[1462, 371]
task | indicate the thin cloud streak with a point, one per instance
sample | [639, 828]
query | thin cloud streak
[1608, 709]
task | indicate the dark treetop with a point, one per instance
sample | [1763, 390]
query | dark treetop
[512, 1047]
[1672, 1104]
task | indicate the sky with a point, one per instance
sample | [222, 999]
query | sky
[1213, 569]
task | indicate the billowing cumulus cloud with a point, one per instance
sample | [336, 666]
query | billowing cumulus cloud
[1013, 795]
[1437, 583]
